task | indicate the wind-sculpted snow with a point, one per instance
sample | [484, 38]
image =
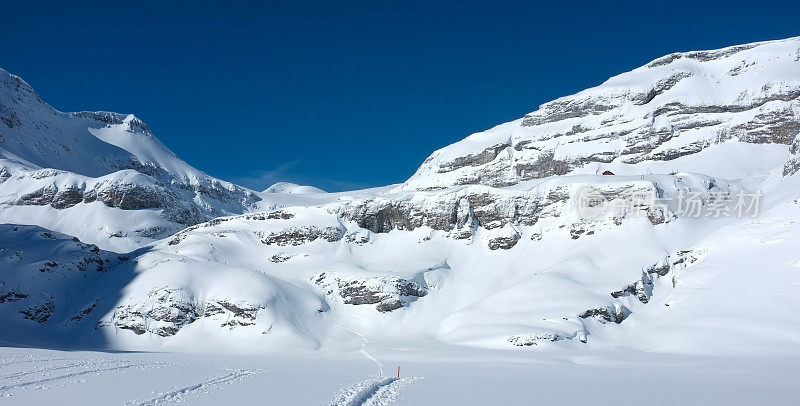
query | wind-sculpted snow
[676, 106]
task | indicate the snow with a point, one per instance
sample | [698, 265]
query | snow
[34, 376]
[43, 148]
[624, 121]
[290, 267]
[293, 188]
[371, 391]
[483, 284]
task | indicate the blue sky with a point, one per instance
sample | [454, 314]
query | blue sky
[345, 95]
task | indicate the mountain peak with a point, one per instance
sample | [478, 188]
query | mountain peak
[645, 120]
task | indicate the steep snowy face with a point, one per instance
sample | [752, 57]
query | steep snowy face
[675, 107]
[55, 167]
[87, 143]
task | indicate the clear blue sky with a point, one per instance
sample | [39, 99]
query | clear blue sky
[346, 94]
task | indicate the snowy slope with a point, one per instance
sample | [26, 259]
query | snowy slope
[293, 188]
[508, 240]
[742, 100]
[106, 169]
[307, 277]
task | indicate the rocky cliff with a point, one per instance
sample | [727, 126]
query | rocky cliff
[512, 238]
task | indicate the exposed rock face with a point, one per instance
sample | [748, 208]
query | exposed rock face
[387, 293]
[69, 160]
[133, 125]
[358, 237]
[67, 197]
[38, 265]
[289, 237]
[653, 113]
[451, 210]
[642, 289]
[12, 296]
[238, 314]
[503, 243]
[165, 311]
[83, 312]
[487, 155]
[793, 162]
[462, 211]
[119, 194]
[301, 235]
[702, 56]
[280, 257]
[39, 312]
[354, 251]
[383, 215]
[75, 258]
[128, 197]
[535, 339]
[615, 313]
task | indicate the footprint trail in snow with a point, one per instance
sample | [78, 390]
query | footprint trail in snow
[206, 386]
[372, 392]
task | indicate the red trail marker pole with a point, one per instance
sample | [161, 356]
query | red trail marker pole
[398, 371]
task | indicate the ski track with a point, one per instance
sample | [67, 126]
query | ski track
[178, 394]
[372, 392]
[387, 394]
[101, 366]
[42, 370]
[7, 363]
[62, 377]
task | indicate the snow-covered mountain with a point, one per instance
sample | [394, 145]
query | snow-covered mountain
[100, 176]
[665, 116]
[511, 239]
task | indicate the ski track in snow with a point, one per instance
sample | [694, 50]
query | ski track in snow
[50, 379]
[205, 386]
[372, 392]
[12, 381]
[387, 394]
[9, 362]
[42, 370]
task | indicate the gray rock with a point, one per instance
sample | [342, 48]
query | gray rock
[40, 312]
[301, 235]
[387, 293]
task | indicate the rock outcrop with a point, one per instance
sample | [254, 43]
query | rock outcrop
[654, 113]
[387, 293]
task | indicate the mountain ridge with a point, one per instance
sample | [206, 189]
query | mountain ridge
[65, 161]
[492, 243]
[636, 116]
